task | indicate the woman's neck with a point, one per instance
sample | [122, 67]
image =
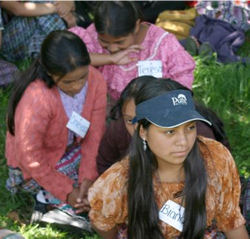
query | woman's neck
[140, 36]
[171, 173]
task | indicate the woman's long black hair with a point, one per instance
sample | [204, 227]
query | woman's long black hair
[129, 92]
[143, 220]
[61, 53]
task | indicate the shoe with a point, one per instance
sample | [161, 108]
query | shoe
[39, 210]
[57, 216]
[191, 46]
[206, 51]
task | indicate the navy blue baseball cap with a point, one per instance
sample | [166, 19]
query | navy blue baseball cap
[169, 110]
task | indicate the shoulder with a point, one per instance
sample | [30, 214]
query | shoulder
[96, 79]
[83, 33]
[155, 31]
[156, 36]
[217, 157]
[112, 180]
[95, 74]
[38, 90]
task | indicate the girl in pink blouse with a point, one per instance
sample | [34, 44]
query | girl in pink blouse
[55, 119]
[124, 47]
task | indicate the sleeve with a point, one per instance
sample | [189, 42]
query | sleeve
[114, 145]
[32, 119]
[92, 140]
[107, 199]
[180, 65]
[228, 214]
[89, 37]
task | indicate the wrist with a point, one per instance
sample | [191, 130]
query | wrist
[111, 59]
[51, 7]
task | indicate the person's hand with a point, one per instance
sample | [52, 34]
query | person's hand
[70, 20]
[123, 57]
[63, 8]
[72, 197]
[82, 203]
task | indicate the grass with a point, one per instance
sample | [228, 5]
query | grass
[224, 88]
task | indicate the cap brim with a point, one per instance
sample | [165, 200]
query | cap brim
[176, 120]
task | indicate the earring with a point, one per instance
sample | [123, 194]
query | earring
[144, 144]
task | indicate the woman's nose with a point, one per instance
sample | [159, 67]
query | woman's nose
[112, 48]
[182, 139]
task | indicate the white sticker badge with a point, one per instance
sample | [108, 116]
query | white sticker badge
[172, 214]
[152, 68]
[78, 124]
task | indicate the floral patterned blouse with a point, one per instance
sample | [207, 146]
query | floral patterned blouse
[108, 195]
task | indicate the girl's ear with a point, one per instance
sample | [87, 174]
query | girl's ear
[143, 133]
[137, 26]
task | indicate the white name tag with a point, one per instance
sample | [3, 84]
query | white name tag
[152, 68]
[78, 124]
[172, 214]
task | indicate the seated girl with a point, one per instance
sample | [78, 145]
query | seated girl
[56, 119]
[117, 137]
[173, 184]
[124, 47]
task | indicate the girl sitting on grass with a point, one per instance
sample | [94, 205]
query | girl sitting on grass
[114, 146]
[173, 184]
[124, 47]
[55, 121]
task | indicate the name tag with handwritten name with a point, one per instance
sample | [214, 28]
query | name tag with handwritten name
[153, 68]
[78, 124]
[172, 214]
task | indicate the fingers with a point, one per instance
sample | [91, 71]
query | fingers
[83, 206]
[136, 47]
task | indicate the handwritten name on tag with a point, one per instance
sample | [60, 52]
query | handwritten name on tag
[78, 124]
[172, 214]
[153, 68]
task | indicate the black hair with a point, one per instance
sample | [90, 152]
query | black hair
[61, 53]
[129, 92]
[217, 124]
[116, 18]
[143, 221]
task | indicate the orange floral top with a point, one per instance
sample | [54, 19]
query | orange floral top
[108, 195]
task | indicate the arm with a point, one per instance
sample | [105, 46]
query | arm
[240, 232]
[100, 59]
[108, 200]
[33, 116]
[95, 112]
[113, 145]
[28, 9]
[120, 58]
[64, 7]
[227, 208]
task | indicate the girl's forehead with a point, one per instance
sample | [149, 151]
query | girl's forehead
[186, 124]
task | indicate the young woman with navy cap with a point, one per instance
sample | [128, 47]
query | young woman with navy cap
[174, 184]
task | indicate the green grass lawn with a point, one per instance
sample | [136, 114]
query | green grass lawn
[224, 88]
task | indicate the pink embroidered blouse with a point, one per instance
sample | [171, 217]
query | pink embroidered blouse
[158, 44]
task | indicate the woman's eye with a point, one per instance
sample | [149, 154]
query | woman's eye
[128, 121]
[191, 127]
[169, 132]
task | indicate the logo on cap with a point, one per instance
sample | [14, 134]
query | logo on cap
[179, 100]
